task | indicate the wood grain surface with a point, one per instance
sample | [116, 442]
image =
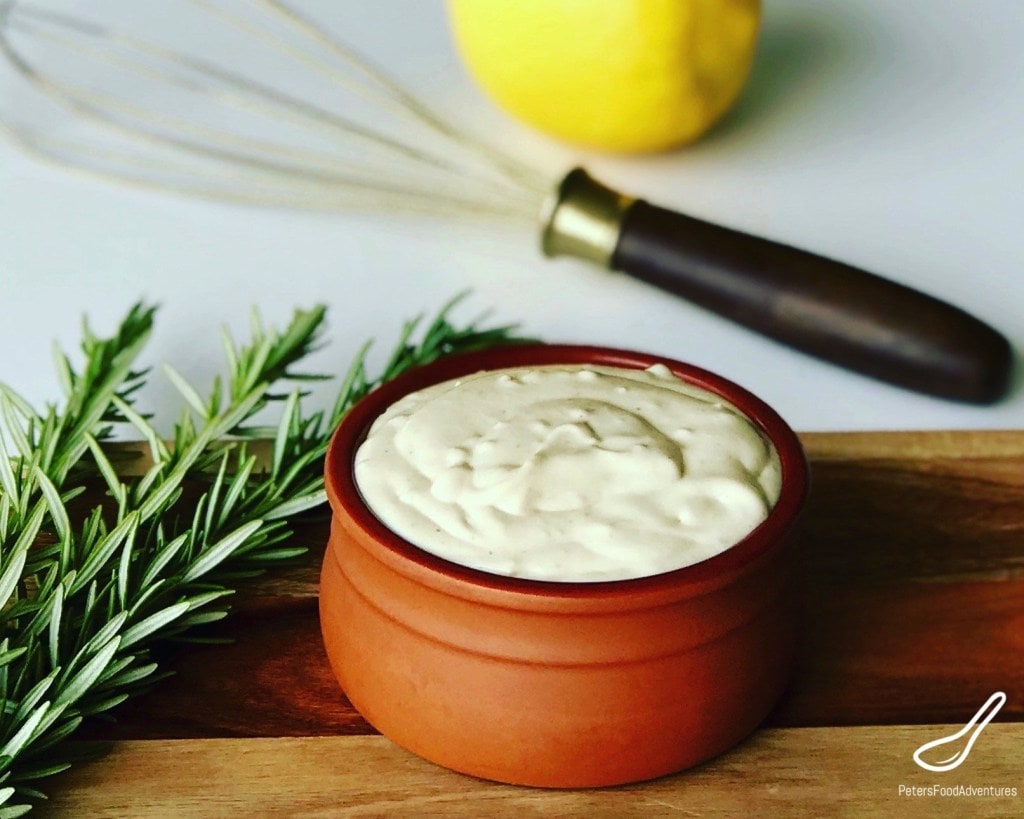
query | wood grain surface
[777, 772]
[911, 558]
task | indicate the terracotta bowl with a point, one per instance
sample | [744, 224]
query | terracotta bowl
[557, 684]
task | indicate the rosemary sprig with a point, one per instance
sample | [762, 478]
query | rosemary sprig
[85, 598]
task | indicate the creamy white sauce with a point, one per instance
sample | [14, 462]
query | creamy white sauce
[568, 473]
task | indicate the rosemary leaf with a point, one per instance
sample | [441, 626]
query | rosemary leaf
[221, 551]
[141, 630]
[188, 392]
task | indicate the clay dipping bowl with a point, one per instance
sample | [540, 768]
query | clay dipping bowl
[546, 683]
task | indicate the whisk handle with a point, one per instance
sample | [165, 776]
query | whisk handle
[818, 305]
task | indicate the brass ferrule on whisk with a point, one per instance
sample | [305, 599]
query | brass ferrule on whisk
[583, 218]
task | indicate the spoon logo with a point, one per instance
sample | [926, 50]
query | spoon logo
[954, 748]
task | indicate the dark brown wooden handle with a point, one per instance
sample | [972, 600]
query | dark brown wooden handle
[818, 305]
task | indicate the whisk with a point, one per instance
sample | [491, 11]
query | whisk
[351, 137]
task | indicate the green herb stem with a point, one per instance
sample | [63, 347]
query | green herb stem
[86, 597]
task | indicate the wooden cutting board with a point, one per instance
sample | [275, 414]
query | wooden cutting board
[912, 587]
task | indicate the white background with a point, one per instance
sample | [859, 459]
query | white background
[887, 134]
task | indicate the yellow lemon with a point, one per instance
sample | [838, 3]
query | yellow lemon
[620, 75]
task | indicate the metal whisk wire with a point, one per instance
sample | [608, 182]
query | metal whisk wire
[362, 167]
[422, 163]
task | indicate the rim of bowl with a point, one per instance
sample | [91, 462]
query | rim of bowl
[343, 493]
